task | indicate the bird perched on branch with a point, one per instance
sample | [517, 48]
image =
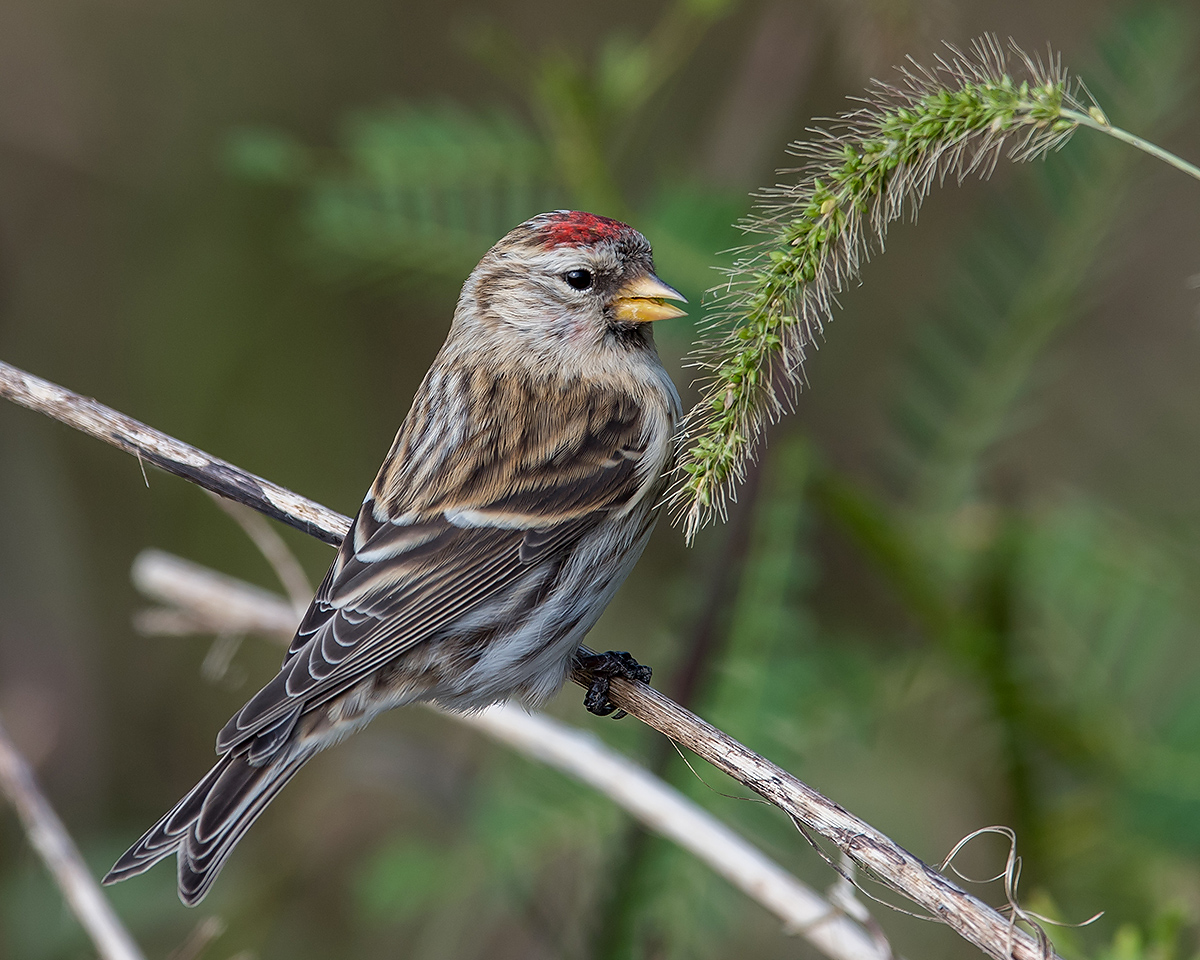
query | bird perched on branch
[518, 494]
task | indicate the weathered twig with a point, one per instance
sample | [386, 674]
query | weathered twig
[200, 600]
[275, 551]
[212, 602]
[54, 845]
[870, 849]
[165, 452]
[664, 810]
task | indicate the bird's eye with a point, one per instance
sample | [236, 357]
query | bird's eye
[579, 279]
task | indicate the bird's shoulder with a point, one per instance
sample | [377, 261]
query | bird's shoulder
[545, 448]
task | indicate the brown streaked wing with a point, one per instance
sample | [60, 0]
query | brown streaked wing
[526, 436]
[395, 584]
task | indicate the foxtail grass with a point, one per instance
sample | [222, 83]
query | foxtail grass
[858, 173]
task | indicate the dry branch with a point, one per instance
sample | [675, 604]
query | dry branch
[666, 811]
[212, 602]
[867, 847]
[54, 845]
[165, 452]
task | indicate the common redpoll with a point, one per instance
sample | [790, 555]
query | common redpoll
[518, 494]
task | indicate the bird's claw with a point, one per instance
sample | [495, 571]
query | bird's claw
[603, 667]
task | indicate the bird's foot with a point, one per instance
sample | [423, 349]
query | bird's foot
[603, 667]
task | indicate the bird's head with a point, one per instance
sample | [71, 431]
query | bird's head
[567, 281]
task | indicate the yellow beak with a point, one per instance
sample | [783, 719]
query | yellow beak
[641, 301]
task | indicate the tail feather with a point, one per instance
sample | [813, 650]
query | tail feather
[205, 826]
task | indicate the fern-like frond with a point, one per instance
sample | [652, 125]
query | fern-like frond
[1023, 278]
[412, 189]
[1109, 640]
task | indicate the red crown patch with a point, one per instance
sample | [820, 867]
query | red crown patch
[574, 229]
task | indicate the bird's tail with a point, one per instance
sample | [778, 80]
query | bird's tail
[205, 826]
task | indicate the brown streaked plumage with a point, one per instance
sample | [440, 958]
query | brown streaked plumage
[517, 496]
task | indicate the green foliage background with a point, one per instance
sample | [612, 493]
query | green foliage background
[961, 588]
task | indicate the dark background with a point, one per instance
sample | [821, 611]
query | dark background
[157, 253]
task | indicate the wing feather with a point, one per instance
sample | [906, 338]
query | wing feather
[406, 575]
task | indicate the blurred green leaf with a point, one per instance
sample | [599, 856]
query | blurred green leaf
[405, 877]
[623, 72]
[421, 190]
[265, 155]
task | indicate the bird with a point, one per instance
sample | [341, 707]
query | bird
[519, 492]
